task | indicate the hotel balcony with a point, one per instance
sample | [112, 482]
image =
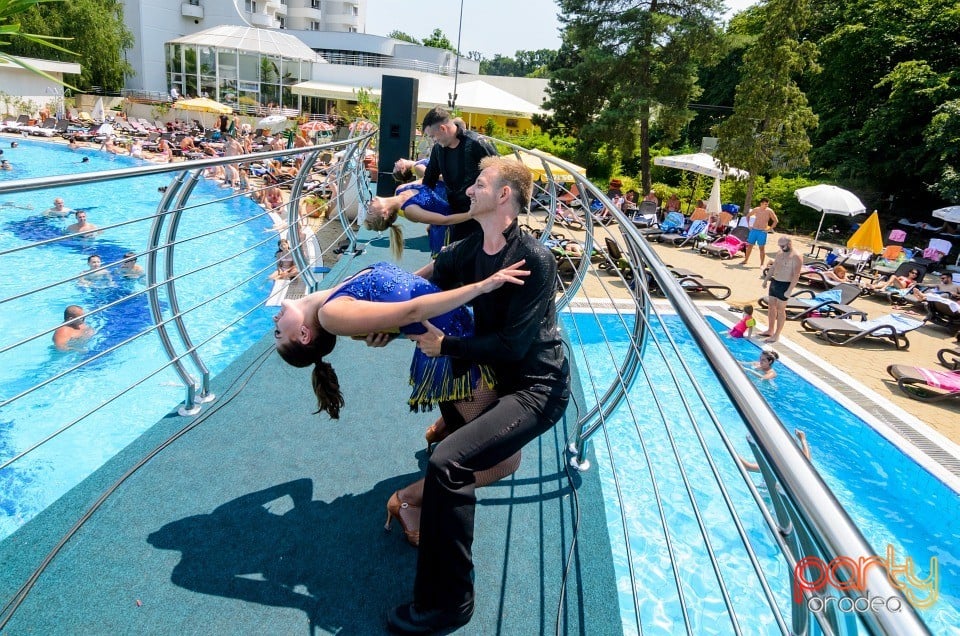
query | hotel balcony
[306, 13]
[191, 10]
[263, 21]
[276, 7]
[345, 19]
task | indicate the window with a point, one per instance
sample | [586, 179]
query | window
[282, 21]
[353, 29]
[314, 4]
[356, 10]
[314, 25]
[250, 6]
[195, 3]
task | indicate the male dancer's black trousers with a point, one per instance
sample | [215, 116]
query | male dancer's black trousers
[445, 562]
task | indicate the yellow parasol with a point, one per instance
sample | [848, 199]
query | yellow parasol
[868, 236]
[203, 105]
[559, 174]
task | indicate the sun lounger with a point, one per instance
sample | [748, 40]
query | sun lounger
[673, 224]
[949, 358]
[926, 385]
[832, 302]
[691, 235]
[645, 215]
[697, 285]
[843, 331]
[729, 245]
[615, 262]
[943, 311]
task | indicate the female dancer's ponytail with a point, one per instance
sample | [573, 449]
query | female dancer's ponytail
[326, 385]
[379, 224]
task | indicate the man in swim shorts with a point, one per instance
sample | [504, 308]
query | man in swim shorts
[764, 220]
[782, 275]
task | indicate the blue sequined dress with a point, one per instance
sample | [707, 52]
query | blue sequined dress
[432, 200]
[433, 379]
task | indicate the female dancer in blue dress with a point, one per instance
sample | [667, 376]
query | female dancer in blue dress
[419, 203]
[384, 298]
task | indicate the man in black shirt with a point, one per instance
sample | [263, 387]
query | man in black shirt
[456, 157]
[516, 334]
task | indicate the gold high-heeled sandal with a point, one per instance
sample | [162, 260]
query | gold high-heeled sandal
[407, 515]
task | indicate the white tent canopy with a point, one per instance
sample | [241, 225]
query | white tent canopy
[251, 39]
[475, 97]
[702, 163]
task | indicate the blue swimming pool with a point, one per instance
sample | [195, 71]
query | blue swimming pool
[889, 496]
[30, 484]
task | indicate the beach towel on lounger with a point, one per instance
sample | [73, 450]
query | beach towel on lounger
[945, 380]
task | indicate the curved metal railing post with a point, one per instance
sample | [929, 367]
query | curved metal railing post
[183, 195]
[154, 246]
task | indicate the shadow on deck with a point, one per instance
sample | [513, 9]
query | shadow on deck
[264, 517]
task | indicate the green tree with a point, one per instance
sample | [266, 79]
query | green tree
[11, 13]
[499, 65]
[400, 35]
[767, 132]
[875, 123]
[625, 65]
[943, 138]
[97, 32]
[438, 40]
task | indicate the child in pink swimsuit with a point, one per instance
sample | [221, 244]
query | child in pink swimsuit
[746, 324]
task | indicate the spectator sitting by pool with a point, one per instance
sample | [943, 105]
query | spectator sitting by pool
[82, 226]
[74, 332]
[58, 210]
[801, 440]
[763, 368]
[96, 275]
[129, 267]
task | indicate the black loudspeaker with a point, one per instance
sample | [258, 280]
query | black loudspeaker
[398, 122]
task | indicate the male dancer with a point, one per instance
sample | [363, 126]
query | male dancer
[516, 334]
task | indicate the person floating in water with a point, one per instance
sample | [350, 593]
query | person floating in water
[129, 267]
[801, 441]
[59, 210]
[763, 368]
[74, 333]
[96, 275]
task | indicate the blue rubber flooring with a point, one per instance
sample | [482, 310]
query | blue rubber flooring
[260, 517]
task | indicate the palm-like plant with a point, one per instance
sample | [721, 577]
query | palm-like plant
[10, 27]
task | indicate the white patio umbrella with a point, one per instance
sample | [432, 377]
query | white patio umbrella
[97, 113]
[273, 123]
[949, 214]
[829, 199]
[713, 203]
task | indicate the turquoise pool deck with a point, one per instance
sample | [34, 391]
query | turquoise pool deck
[265, 518]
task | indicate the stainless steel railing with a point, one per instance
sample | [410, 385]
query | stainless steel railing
[166, 246]
[808, 519]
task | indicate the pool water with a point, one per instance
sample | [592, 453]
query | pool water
[32, 483]
[891, 498]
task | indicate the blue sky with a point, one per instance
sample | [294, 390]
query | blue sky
[489, 26]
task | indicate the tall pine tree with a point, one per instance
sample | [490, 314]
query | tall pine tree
[767, 131]
[627, 65]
